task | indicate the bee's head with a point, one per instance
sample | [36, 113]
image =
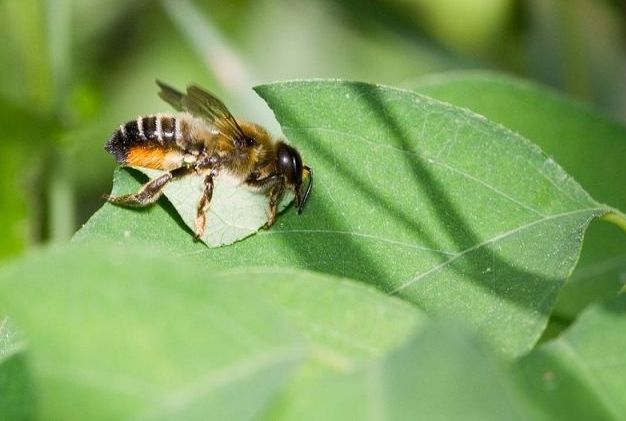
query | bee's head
[291, 168]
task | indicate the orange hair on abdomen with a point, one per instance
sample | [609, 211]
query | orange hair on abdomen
[148, 157]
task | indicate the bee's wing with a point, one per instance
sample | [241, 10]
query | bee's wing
[171, 96]
[202, 104]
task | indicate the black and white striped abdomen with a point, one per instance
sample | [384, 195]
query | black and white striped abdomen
[155, 131]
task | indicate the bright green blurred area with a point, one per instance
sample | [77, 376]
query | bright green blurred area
[73, 70]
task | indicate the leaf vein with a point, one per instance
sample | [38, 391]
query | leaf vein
[488, 186]
[359, 234]
[176, 401]
[491, 240]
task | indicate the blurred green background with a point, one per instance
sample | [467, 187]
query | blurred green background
[73, 70]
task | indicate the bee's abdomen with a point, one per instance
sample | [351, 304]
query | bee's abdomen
[158, 133]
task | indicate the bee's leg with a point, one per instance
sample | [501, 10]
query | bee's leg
[149, 192]
[275, 195]
[203, 205]
[264, 183]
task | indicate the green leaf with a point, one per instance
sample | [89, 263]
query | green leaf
[582, 374]
[14, 230]
[10, 343]
[16, 395]
[121, 333]
[22, 139]
[588, 145]
[425, 200]
[118, 333]
[345, 322]
[235, 212]
[443, 373]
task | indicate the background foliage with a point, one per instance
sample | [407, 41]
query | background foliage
[135, 319]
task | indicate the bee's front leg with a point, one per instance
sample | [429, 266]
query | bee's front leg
[275, 195]
[203, 206]
[149, 192]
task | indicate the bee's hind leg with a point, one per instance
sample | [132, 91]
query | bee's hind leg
[149, 192]
[203, 205]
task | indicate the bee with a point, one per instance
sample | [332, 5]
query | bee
[204, 139]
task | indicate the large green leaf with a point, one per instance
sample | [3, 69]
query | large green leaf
[425, 200]
[582, 374]
[118, 332]
[587, 144]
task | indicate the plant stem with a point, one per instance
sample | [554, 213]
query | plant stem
[615, 217]
[61, 212]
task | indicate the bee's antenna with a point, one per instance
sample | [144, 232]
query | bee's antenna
[302, 201]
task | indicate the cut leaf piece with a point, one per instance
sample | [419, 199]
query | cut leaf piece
[425, 200]
[582, 374]
[235, 212]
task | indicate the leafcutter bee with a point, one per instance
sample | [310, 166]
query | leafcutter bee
[204, 140]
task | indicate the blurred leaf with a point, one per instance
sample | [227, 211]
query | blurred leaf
[16, 395]
[578, 46]
[591, 147]
[235, 212]
[23, 138]
[14, 229]
[24, 32]
[346, 322]
[582, 374]
[443, 373]
[39, 31]
[123, 333]
[467, 26]
[98, 19]
[312, 40]
[422, 199]
[119, 334]
[464, 26]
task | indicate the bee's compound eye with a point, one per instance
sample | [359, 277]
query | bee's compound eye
[290, 164]
[249, 142]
